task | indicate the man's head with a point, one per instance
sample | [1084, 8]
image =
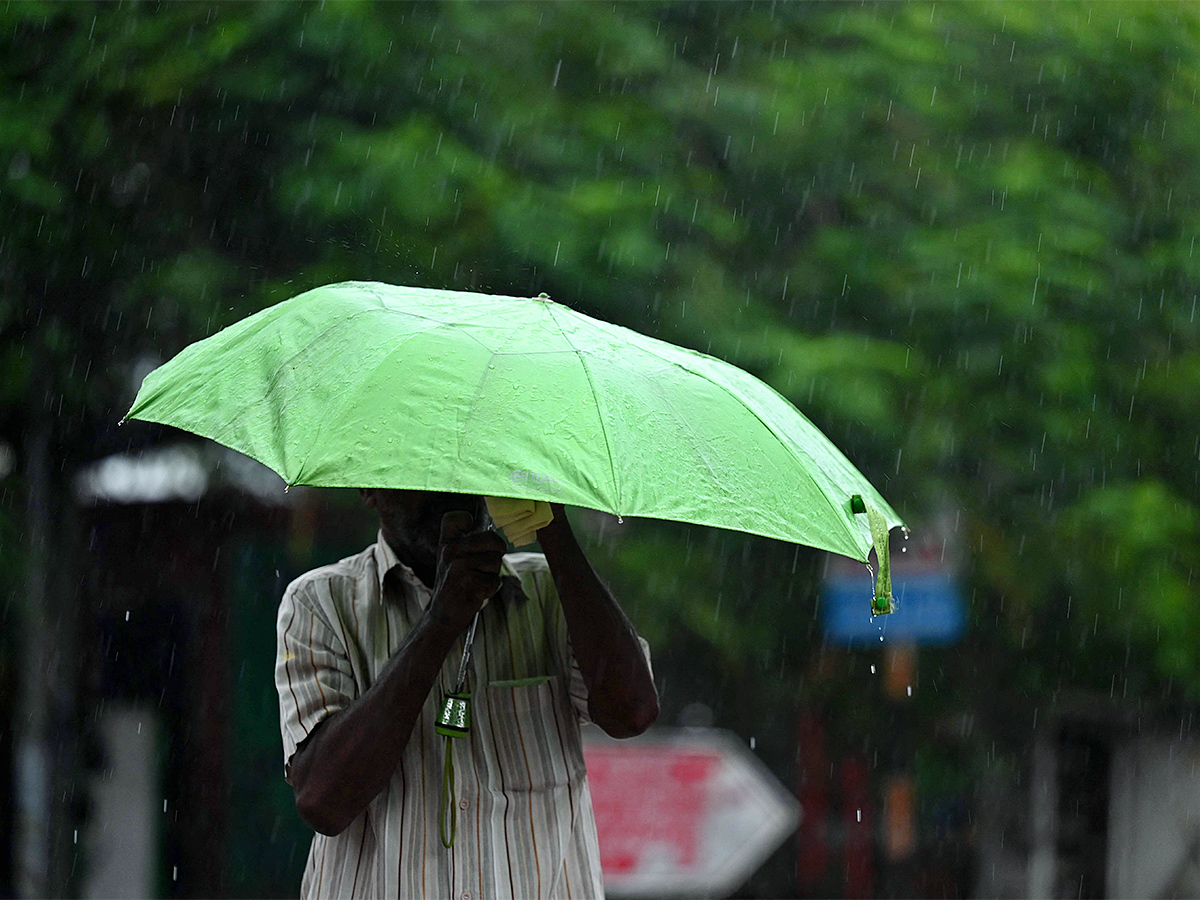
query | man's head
[411, 521]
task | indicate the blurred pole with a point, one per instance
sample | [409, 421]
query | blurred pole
[210, 691]
[1043, 857]
[859, 819]
[67, 794]
[33, 756]
[900, 671]
[898, 787]
[899, 805]
[47, 721]
[8, 784]
[812, 789]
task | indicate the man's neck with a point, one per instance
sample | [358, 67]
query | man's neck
[426, 570]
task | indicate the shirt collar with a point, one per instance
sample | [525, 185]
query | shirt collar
[386, 560]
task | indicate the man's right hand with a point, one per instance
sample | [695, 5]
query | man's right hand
[468, 570]
[347, 760]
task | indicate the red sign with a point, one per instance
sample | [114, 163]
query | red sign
[671, 790]
[683, 811]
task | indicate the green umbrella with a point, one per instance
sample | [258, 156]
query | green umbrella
[364, 384]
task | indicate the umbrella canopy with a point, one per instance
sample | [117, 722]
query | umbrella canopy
[363, 384]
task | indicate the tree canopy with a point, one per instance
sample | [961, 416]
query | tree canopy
[959, 237]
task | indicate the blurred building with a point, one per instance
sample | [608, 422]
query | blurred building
[1110, 807]
[156, 609]
[166, 752]
[183, 553]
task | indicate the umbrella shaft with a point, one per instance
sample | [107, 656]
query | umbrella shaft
[466, 657]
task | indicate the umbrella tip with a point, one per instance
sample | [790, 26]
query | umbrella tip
[543, 296]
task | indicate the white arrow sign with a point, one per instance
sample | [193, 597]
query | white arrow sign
[683, 812]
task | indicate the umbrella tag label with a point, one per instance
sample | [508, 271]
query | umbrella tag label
[545, 482]
[455, 717]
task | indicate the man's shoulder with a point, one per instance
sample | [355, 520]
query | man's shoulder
[337, 577]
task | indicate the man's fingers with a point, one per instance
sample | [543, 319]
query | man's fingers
[455, 524]
[466, 581]
[477, 562]
[470, 544]
[485, 583]
[469, 562]
[485, 563]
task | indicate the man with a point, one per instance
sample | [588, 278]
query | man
[368, 647]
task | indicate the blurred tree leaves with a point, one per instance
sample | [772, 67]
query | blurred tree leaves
[960, 237]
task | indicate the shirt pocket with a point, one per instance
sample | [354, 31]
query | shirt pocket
[534, 736]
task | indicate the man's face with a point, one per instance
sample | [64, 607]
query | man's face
[411, 521]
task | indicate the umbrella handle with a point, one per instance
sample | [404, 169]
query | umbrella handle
[469, 642]
[466, 657]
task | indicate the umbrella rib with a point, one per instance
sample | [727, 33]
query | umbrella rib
[343, 407]
[683, 423]
[276, 376]
[273, 381]
[434, 323]
[652, 345]
[384, 308]
[612, 469]
[791, 450]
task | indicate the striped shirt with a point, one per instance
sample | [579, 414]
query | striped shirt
[525, 825]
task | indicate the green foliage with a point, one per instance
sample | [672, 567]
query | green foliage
[1139, 539]
[960, 237]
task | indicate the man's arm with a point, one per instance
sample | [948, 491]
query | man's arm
[621, 695]
[344, 764]
[347, 760]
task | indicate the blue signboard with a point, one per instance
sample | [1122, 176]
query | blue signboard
[929, 609]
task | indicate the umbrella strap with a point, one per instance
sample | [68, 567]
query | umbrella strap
[454, 721]
[447, 802]
[883, 602]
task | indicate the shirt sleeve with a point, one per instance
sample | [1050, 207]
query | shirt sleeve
[576, 687]
[313, 676]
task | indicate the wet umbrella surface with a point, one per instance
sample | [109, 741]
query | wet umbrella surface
[374, 385]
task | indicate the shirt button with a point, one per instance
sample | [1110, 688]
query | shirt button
[463, 804]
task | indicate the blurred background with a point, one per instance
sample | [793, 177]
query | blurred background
[960, 237]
